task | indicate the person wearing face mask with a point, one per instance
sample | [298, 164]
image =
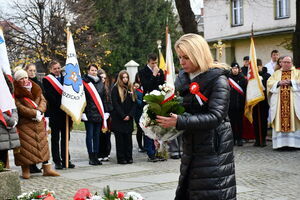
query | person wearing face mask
[238, 84]
[123, 100]
[31, 106]
[94, 112]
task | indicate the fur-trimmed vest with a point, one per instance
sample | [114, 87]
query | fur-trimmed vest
[33, 136]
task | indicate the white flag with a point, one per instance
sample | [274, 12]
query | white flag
[4, 62]
[73, 97]
[6, 100]
[170, 72]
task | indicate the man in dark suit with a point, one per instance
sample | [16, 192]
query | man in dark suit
[151, 77]
[53, 90]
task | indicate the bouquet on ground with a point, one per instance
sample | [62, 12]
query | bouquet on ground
[44, 194]
[160, 102]
[84, 194]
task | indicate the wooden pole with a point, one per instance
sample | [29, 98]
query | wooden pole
[67, 141]
[67, 117]
[259, 124]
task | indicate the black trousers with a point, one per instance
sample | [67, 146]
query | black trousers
[58, 141]
[236, 121]
[260, 122]
[123, 146]
[104, 144]
[3, 156]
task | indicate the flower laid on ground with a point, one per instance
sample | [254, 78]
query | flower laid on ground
[44, 194]
[158, 105]
[84, 194]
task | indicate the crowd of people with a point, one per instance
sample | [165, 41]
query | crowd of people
[113, 105]
[264, 112]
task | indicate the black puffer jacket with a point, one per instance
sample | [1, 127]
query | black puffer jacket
[207, 166]
[91, 110]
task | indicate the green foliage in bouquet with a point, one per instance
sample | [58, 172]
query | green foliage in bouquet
[157, 107]
[109, 195]
[1, 166]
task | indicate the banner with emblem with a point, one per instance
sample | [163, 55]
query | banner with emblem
[4, 64]
[73, 99]
[254, 92]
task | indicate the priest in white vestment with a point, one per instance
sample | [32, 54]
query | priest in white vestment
[284, 99]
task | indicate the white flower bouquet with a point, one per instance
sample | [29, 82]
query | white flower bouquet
[159, 104]
[44, 194]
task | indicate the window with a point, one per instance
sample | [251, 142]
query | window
[237, 12]
[282, 9]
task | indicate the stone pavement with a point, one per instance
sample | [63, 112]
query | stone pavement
[262, 174]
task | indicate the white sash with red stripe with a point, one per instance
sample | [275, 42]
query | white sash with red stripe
[97, 100]
[235, 86]
[55, 83]
[34, 105]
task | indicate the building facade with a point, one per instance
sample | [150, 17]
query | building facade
[231, 21]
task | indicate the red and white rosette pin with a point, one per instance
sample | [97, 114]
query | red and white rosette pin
[195, 89]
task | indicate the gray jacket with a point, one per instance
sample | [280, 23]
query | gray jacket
[9, 138]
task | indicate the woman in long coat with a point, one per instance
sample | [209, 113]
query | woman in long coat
[31, 105]
[207, 166]
[123, 100]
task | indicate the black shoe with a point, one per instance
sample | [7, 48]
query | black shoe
[240, 143]
[160, 158]
[152, 159]
[142, 150]
[122, 162]
[93, 162]
[130, 161]
[58, 166]
[71, 165]
[175, 157]
[34, 169]
[256, 144]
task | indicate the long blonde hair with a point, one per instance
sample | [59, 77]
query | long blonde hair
[198, 51]
[123, 89]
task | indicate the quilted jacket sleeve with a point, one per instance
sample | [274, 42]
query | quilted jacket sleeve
[218, 103]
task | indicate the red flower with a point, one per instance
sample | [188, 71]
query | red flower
[82, 194]
[121, 195]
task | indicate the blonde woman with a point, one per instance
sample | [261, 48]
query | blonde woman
[123, 101]
[207, 164]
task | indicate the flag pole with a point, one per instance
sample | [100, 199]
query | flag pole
[67, 117]
[258, 106]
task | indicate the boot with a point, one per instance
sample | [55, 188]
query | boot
[93, 159]
[47, 171]
[25, 171]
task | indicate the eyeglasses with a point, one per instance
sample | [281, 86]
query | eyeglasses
[286, 62]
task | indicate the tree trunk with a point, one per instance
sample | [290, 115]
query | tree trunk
[186, 15]
[296, 37]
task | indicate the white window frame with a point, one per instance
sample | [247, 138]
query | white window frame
[237, 13]
[282, 9]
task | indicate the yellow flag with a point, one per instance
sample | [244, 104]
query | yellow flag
[254, 93]
[162, 64]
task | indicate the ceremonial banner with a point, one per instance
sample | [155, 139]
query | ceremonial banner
[73, 97]
[170, 71]
[254, 93]
[4, 62]
[7, 103]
